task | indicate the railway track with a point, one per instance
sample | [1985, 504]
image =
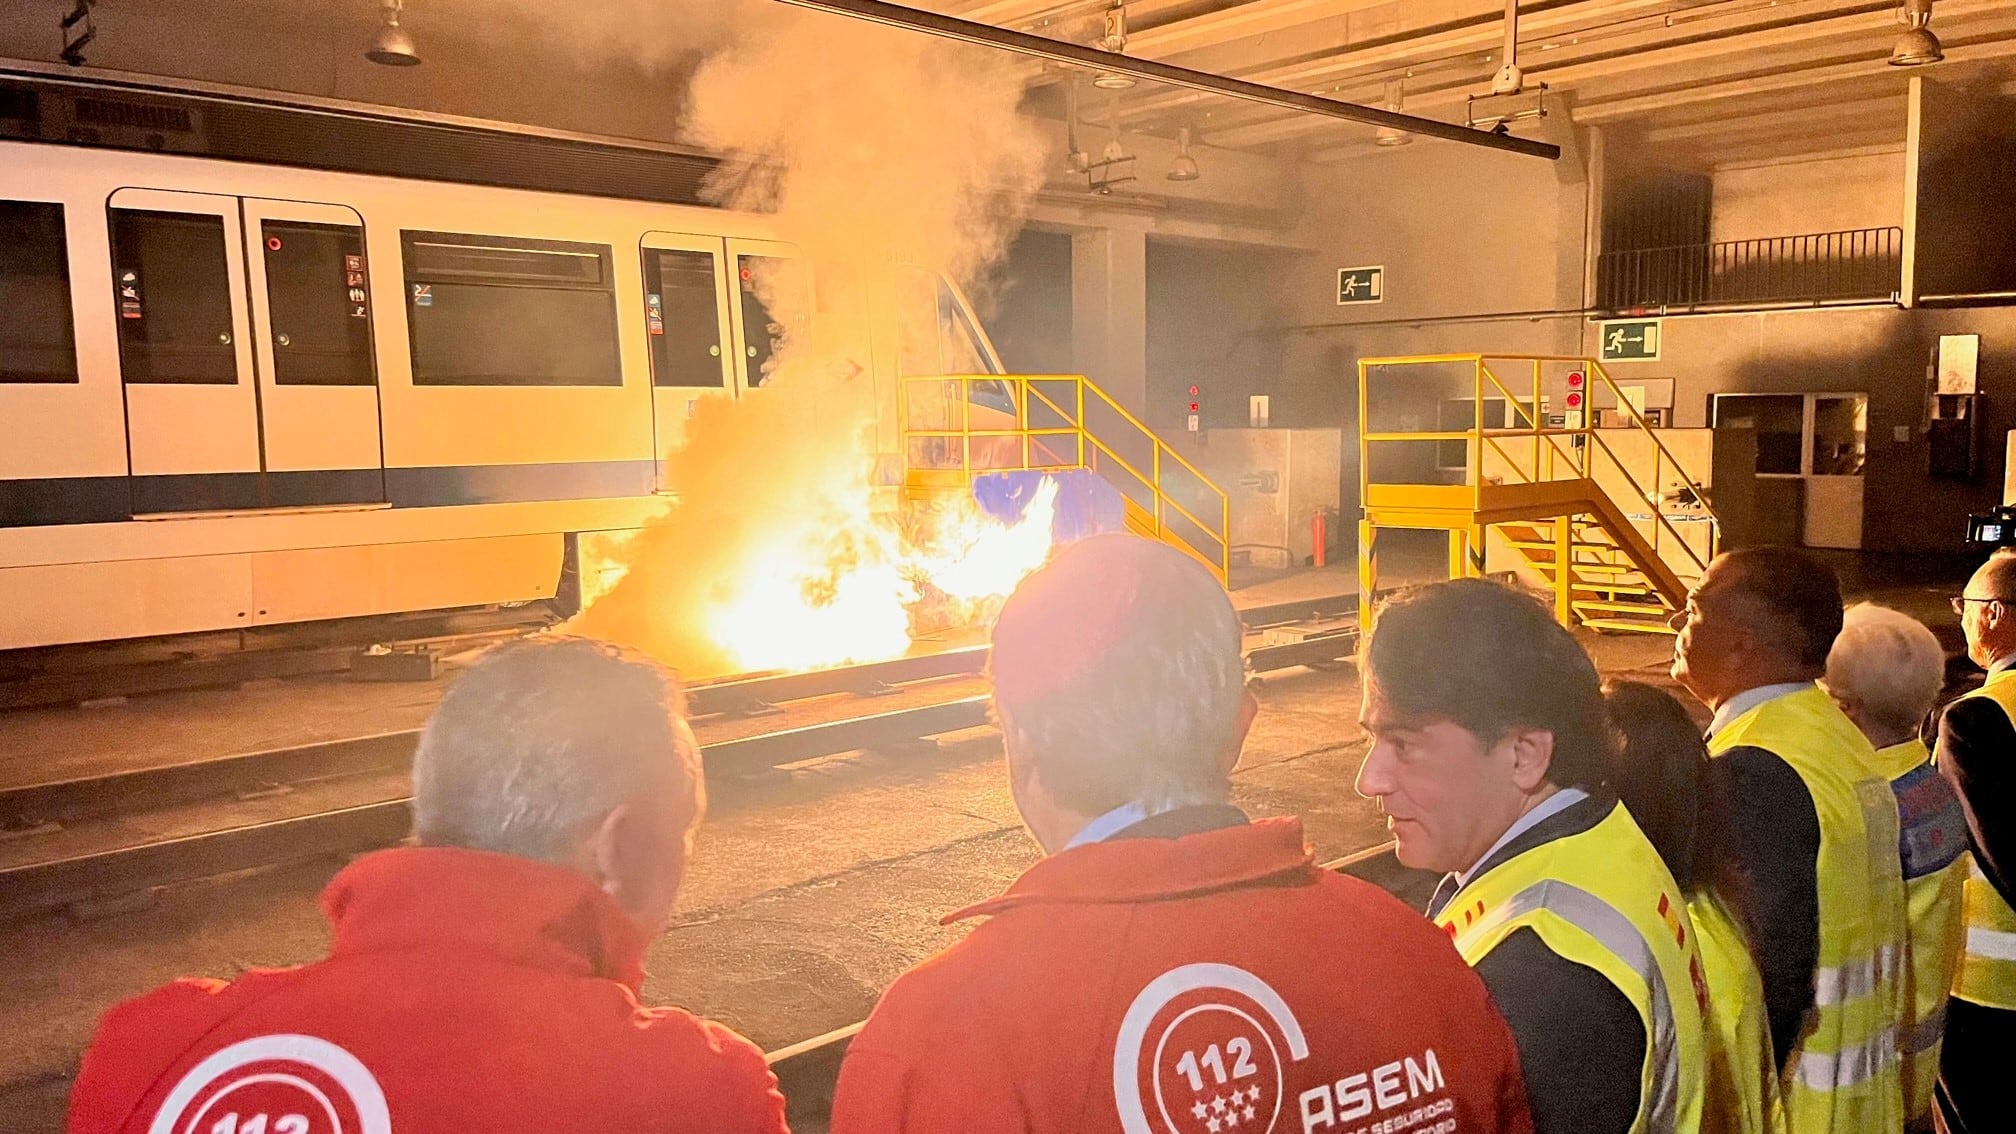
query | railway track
[97, 841]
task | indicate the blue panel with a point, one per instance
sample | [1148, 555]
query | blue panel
[1086, 504]
[500, 484]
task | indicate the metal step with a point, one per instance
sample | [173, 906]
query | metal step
[1648, 609]
[1624, 624]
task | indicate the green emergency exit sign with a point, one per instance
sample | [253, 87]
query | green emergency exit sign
[1630, 340]
[1361, 285]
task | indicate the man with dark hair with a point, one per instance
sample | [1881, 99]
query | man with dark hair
[1171, 965]
[487, 978]
[1489, 746]
[1977, 755]
[1814, 828]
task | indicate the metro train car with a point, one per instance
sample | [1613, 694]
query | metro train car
[265, 362]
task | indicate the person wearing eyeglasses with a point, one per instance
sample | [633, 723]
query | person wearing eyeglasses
[1977, 744]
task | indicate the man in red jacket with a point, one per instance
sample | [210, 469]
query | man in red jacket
[1171, 966]
[486, 979]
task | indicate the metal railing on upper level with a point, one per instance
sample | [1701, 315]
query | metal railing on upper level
[1854, 264]
[966, 426]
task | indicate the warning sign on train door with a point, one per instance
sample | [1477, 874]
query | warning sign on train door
[1630, 340]
[1361, 285]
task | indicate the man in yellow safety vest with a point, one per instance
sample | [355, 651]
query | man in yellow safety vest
[1814, 825]
[1488, 758]
[1977, 754]
[1885, 671]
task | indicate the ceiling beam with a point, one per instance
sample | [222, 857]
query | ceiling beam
[986, 35]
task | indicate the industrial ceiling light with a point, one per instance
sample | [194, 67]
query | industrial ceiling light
[1184, 168]
[1916, 45]
[1115, 41]
[393, 46]
[1387, 135]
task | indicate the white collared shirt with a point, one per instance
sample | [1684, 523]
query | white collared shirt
[1751, 698]
[1553, 805]
[1110, 824]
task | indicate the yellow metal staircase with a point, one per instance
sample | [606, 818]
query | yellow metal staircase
[1606, 519]
[958, 428]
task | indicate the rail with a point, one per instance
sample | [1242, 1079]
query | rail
[968, 426]
[1819, 267]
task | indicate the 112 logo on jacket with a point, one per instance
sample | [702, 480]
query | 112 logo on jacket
[1201, 1051]
[278, 1084]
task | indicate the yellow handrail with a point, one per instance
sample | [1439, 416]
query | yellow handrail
[1486, 443]
[1087, 444]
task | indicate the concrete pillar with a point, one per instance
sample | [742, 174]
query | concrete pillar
[1109, 312]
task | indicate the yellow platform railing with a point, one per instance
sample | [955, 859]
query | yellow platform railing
[1530, 452]
[958, 427]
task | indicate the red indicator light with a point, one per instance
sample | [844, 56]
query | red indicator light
[272, 244]
[1574, 399]
[1193, 391]
[1193, 407]
[1575, 379]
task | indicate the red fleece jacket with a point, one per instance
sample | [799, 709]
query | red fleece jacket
[1216, 983]
[465, 992]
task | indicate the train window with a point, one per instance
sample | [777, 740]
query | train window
[498, 311]
[174, 298]
[315, 289]
[682, 313]
[37, 339]
[776, 303]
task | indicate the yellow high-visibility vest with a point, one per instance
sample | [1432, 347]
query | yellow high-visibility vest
[1843, 1073]
[1603, 899]
[1742, 1090]
[1988, 958]
[1933, 852]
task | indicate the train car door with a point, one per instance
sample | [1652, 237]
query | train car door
[185, 351]
[773, 303]
[317, 378]
[686, 324]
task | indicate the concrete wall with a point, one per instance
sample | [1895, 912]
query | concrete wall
[1878, 351]
[1831, 195]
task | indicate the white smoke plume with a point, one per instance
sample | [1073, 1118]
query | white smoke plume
[868, 146]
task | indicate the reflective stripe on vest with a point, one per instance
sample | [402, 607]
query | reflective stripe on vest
[1833, 1071]
[1838, 984]
[1928, 1032]
[1988, 959]
[1612, 930]
[1994, 944]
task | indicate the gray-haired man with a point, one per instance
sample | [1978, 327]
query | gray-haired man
[485, 979]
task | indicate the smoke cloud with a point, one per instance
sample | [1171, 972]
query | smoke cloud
[868, 146]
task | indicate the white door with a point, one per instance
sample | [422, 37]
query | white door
[318, 386]
[1837, 432]
[686, 321]
[185, 351]
[773, 302]
[245, 354]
